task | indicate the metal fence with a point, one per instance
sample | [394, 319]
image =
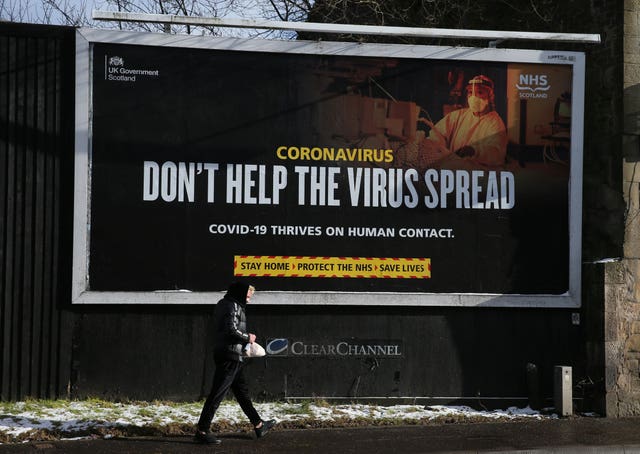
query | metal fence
[36, 151]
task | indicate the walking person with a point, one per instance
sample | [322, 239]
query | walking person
[230, 338]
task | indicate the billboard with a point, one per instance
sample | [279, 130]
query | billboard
[326, 173]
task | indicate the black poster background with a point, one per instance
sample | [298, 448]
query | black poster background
[224, 107]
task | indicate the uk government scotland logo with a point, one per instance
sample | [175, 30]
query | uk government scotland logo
[116, 71]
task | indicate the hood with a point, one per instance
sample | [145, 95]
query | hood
[238, 291]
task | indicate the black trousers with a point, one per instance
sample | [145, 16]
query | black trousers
[228, 375]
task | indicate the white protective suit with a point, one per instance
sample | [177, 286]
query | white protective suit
[485, 133]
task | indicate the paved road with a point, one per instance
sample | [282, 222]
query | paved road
[574, 435]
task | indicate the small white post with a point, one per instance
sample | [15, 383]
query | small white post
[563, 391]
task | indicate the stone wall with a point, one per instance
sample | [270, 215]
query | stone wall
[622, 279]
[622, 339]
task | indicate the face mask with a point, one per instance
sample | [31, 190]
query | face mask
[477, 105]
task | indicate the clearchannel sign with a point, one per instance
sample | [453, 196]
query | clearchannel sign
[340, 349]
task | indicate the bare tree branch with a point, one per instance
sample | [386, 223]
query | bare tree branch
[17, 11]
[71, 13]
[541, 15]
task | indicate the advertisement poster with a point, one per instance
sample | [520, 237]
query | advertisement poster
[327, 173]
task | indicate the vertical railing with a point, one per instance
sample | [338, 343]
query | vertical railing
[35, 150]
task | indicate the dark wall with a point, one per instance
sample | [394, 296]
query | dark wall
[479, 354]
[51, 349]
[36, 162]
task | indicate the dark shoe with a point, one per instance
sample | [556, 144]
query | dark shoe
[265, 428]
[206, 438]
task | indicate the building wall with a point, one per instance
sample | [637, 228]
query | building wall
[622, 303]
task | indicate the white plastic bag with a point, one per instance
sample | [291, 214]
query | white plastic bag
[254, 350]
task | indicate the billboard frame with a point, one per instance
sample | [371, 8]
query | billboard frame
[82, 174]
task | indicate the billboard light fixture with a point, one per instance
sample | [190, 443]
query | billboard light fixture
[495, 37]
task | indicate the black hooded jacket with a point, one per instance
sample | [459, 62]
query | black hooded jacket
[231, 323]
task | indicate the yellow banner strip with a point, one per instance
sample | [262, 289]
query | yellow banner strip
[332, 267]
